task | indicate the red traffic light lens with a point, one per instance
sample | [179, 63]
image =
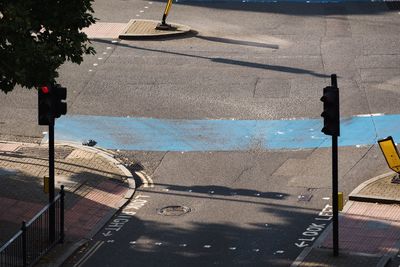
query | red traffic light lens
[45, 90]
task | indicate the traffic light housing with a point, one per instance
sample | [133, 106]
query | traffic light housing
[51, 103]
[59, 97]
[331, 113]
[44, 105]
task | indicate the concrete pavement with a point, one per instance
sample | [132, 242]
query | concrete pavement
[96, 186]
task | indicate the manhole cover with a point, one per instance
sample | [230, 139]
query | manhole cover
[304, 197]
[174, 210]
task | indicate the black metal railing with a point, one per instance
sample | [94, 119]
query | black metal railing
[36, 237]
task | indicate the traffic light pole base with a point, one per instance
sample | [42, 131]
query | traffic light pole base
[165, 27]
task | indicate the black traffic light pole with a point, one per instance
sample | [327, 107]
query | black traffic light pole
[52, 210]
[51, 105]
[331, 115]
[335, 192]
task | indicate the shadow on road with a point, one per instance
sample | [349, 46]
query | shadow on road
[278, 68]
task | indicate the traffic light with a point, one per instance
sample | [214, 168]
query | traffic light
[44, 105]
[51, 103]
[331, 114]
[59, 96]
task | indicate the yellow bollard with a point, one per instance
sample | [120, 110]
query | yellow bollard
[46, 184]
[163, 25]
[340, 201]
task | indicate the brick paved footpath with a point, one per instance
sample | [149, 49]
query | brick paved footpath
[95, 187]
[369, 232]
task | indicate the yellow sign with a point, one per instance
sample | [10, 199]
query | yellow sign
[340, 201]
[390, 152]
[46, 184]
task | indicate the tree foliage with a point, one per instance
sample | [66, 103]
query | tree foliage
[38, 36]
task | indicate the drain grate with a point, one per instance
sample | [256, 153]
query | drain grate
[174, 210]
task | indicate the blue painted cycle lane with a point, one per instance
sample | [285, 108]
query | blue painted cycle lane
[149, 134]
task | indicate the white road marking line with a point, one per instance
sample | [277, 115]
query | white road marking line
[95, 64]
[370, 115]
[207, 246]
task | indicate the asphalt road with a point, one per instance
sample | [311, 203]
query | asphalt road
[247, 61]
[244, 211]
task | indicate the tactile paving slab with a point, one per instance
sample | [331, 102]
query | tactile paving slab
[147, 28]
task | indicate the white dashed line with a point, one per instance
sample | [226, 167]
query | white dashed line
[95, 64]
[207, 246]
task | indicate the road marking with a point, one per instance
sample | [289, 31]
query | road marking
[315, 228]
[89, 253]
[148, 134]
[124, 217]
[147, 181]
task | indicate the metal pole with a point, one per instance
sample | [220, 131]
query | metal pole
[52, 212]
[24, 258]
[62, 192]
[335, 195]
[335, 191]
